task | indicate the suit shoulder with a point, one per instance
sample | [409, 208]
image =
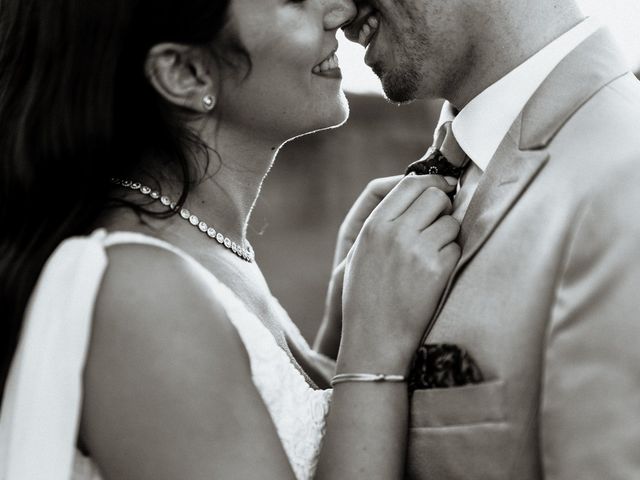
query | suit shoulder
[600, 143]
[616, 109]
[627, 89]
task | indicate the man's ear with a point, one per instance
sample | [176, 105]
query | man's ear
[182, 75]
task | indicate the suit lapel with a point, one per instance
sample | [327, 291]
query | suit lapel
[522, 154]
[509, 173]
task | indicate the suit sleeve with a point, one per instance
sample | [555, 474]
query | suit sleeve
[590, 405]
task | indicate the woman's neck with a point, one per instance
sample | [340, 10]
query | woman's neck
[238, 164]
[225, 189]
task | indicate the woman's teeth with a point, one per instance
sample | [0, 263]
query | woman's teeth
[330, 63]
[368, 30]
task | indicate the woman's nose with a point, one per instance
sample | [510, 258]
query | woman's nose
[339, 13]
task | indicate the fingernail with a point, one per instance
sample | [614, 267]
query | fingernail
[451, 181]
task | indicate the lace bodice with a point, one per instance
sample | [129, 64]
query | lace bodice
[29, 429]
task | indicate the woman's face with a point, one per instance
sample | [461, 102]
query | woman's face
[293, 85]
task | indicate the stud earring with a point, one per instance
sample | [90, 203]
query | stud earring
[208, 102]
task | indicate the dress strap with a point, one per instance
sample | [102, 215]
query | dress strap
[43, 395]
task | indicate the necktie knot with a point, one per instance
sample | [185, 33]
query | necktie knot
[450, 147]
[445, 157]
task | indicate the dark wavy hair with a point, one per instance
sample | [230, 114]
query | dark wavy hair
[75, 110]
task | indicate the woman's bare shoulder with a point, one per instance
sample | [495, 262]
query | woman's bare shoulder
[157, 285]
[167, 376]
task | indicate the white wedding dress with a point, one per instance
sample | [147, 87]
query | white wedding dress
[42, 399]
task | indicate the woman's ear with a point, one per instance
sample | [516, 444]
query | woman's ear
[183, 75]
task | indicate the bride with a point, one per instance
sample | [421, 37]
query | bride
[139, 337]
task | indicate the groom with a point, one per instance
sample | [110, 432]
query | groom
[546, 296]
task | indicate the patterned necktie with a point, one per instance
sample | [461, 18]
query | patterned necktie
[444, 158]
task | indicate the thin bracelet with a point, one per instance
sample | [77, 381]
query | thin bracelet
[366, 377]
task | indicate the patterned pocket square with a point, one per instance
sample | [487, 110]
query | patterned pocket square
[443, 366]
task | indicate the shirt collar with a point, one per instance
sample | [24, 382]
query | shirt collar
[483, 123]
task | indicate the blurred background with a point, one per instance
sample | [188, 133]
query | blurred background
[317, 178]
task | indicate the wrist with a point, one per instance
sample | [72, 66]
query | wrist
[385, 363]
[366, 378]
[370, 351]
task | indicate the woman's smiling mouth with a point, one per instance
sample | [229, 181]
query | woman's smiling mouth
[329, 67]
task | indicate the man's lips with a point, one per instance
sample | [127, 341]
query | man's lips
[362, 29]
[368, 30]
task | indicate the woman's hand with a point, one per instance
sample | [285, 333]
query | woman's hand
[395, 275]
[368, 200]
[328, 339]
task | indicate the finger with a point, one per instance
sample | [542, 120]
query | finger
[432, 202]
[442, 232]
[372, 196]
[430, 205]
[450, 254]
[405, 193]
[380, 187]
[335, 289]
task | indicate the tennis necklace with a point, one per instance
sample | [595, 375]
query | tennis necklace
[243, 251]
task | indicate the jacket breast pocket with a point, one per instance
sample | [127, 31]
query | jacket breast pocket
[460, 433]
[467, 405]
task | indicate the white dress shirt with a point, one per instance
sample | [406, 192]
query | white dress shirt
[483, 123]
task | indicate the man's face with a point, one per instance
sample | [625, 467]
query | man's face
[420, 48]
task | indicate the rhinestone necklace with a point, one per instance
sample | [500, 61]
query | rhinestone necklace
[244, 252]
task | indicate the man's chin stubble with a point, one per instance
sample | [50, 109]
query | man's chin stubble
[400, 87]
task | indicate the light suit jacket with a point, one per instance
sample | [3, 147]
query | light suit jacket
[546, 296]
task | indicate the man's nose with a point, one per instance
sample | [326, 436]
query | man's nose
[339, 14]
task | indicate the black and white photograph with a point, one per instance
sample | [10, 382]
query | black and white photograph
[319, 240]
